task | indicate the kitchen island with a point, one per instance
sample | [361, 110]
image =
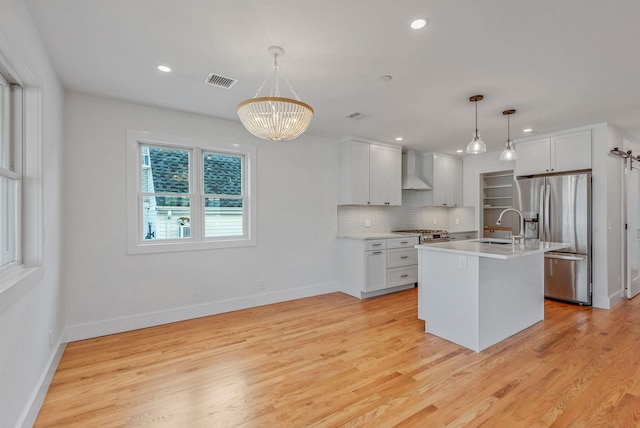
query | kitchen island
[476, 293]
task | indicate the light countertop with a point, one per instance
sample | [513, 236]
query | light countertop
[475, 247]
[380, 235]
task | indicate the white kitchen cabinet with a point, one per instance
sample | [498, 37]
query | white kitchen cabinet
[370, 267]
[375, 270]
[444, 175]
[369, 173]
[564, 152]
[385, 175]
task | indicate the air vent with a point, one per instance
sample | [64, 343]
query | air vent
[356, 115]
[219, 81]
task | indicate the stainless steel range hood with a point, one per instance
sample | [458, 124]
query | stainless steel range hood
[410, 179]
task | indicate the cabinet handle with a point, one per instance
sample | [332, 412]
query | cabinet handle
[375, 245]
[404, 257]
[377, 252]
[404, 242]
[404, 276]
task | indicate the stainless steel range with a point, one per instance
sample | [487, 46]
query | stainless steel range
[428, 236]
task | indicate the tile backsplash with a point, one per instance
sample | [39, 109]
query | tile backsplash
[353, 220]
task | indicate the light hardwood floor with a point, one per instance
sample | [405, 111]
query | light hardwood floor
[334, 361]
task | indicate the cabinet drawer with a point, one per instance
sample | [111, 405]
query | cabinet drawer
[409, 241]
[402, 275]
[402, 257]
[375, 244]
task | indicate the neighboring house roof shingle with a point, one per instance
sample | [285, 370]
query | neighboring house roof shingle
[170, 170]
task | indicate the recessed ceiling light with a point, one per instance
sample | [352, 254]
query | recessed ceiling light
[398, 138]
[419, 23]
[527, 130]
[386, 78]
[164, 68]
[459, 151]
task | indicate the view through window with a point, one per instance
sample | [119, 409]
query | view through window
[192, 194]
[9, 179]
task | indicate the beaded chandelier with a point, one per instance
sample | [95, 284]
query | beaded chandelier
[273, 117]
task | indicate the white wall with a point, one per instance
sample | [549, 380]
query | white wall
[26, 320]
[608, 206]
[110, 291]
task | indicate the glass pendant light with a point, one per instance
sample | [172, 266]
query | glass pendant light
[509, 153]
[476, 145]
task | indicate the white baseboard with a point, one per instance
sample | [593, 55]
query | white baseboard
[150, 319]
[616, 298]
[31, 410]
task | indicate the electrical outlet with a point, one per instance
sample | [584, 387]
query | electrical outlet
[434, 221]
[262, 285]
[367, 223]
[457, 221]
[462, 262]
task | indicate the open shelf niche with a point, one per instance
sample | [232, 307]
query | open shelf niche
[497, 195]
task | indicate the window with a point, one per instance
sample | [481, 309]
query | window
[185, 194]
[10, 174]
[21, 213]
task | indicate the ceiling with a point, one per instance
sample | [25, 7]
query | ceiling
[559, 63]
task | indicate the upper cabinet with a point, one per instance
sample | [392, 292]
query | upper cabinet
[444, 175]
[370, 173]
[556, 153]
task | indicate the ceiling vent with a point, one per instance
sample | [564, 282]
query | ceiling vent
[356, 115]
[219, 81]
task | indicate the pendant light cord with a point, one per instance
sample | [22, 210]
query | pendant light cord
[275, 87]
[476, 103]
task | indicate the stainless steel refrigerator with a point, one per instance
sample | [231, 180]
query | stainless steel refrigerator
[558, 209]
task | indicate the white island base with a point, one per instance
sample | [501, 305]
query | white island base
[478, 300]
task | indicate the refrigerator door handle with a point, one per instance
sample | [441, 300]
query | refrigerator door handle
[574, 206]
[542, 214]
[562, 257]
[547, 214]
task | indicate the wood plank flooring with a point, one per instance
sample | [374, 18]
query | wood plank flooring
[335, 361]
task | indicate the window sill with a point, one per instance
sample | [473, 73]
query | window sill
[169, 246]
[16, 282]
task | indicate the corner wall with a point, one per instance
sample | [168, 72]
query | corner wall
[32, 320]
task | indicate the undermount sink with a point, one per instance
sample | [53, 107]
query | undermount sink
[494, 241]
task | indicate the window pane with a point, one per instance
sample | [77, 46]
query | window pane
[168, 170]
[4, 130]
[222, 174]
[166, 217]
[223, 217]
[8, 220]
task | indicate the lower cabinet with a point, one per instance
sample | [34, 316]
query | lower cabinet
[370, 267]
[375, 270]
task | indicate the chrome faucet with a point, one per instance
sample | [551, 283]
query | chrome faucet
[522, 231]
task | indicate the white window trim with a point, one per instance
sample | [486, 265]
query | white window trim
[18, 278]
[136, 245]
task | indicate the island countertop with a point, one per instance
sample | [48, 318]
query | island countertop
[476, 247]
